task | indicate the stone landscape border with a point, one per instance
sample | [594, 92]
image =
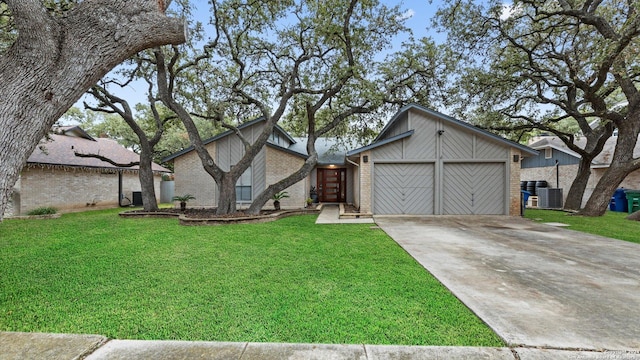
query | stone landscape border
[32, 217]
[188, 221]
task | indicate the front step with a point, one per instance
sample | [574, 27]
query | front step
[344, 215]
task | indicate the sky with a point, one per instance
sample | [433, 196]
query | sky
[418, 14]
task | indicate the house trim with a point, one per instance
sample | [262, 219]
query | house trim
[380, 143]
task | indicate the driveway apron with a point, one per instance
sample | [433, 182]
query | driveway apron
[533, 284]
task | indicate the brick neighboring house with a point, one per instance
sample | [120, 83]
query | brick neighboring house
[558, 165]
[423, 162]
[54, 176]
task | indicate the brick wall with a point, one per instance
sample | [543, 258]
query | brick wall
[71, 189]
[568, 174]
[548, 174]
[279, 165]
[366, 184]
[514, 183]
[191, 178]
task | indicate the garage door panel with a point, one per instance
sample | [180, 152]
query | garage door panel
[403, 189]
[456, 189]
[470, 188]
[489, 189]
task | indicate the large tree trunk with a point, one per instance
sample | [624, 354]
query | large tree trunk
[227, 199]
[622, 164]
[599, 200]
[147, 185]
[576, 191]
[55, 60]
[272, 189]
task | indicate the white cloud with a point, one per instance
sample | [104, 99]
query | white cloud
[407, 15]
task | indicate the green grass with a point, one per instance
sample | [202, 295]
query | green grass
[285, 281]
[612, 224]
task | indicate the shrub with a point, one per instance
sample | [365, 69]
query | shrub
[43, 211]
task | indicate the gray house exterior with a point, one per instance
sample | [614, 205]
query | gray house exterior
[423, 163]
[426, 163]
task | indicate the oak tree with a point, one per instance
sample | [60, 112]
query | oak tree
[536, 64]
[56, 56]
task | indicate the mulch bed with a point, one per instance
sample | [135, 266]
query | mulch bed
[208, 216]
[199, 213]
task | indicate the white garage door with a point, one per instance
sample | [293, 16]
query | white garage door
[403, 189]
[474, 189]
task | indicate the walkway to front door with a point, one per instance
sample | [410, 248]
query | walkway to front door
[332, 185]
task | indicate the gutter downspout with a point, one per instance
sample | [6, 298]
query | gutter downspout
[120, 188]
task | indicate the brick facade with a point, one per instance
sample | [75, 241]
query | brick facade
[514, 183]
[366, 183]
[72, 189]
[279, 165]
[191, 178]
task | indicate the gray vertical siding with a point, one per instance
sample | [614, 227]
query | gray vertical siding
[456, 172]
[422, 146]
[540, 160]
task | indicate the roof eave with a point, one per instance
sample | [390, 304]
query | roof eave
[374, 144]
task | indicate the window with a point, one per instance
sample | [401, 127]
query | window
[243, 186]
[548, 153]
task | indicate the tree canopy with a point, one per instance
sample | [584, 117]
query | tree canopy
[538, 64]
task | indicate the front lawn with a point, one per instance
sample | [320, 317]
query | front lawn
[285, 281]
[612, 224]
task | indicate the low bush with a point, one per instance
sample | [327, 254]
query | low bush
[43, 211]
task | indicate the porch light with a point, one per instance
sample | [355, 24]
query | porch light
[365, 158]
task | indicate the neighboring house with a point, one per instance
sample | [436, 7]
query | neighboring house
[423, 162]
[54, 176]
[558, 165]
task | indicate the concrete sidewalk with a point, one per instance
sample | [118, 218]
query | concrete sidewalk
[36, 346]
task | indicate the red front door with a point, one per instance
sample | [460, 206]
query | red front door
[332, 185]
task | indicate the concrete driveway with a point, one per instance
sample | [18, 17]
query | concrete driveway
[535, 285]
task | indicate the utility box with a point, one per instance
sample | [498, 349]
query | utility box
[137, 198]
[549, 198]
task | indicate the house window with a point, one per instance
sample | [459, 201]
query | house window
[243, 186]
[548, 153]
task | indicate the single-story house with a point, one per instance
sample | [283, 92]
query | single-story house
[423, 162]
[558, 165]
[55, 177]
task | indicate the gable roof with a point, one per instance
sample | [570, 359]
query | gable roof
[606, 155]
[330, 150]
[555, 143]
[404, 110]
[61, 148]
[227, 133]
[603, 159]
[380, 143]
